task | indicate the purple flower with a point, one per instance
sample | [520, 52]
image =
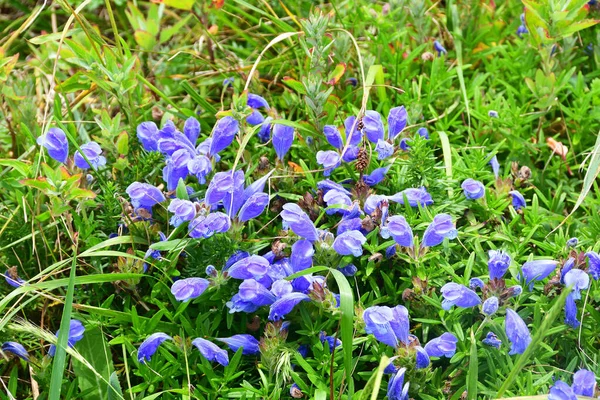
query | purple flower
[147, 134]
[76, 330]
[326, 185]
[332, 341]
[399, 230]
[329, 159]
[383, 149]
[183, 210]
[176, 168]
[150, 345]
[256, 293]
[191, 129]
[281, 287]
[571, 312]
[349, 270]
[252, 267]
[299, 222]
[349, 243]
[376, 176]
[594, 264]
[396, 121]
[518, 201]
[572, 242]
[205, 227]
[256, 186]
[302, 255]
[14, 281]
[255, 118]
[283, 137]
[537, 270]
[492, 340]
[404, 144]
[256, 101]
[144, 195]
[415, 197]
[495, 166]
[475, 283]
[333, 136]
[443, 346]
[490, 306]
[388, 325]
[350, 154]
[223, 134]
[221, 184]
[517, 332]
[55, 141]
[248, 344]
[522, 30]
[17, 349]
[422, 358]
[584, 383]
[579, 280]
[284, 305]
[264, 133]
[439, 48]
[373, 126]
[423, 132]
[561, 391]
[473, 189]
[93, 153]
[253, 207]
[200, 166]
[567, 266]
[441, 227]
[498, 263]
[211, 351]
[493, 114]
[458, 295]
[228, 82]
[515, 291]
[337, 202]
[189, 288]
[397, 390]
[353, 135]
[373, 202]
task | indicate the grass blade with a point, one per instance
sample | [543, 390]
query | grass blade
[347, 325]
[472, 376]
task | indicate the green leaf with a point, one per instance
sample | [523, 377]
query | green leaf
[347, 325]
[294, 84]
[472, 375]
[123, 143]
[95, 350]
[145, 40]
[114, 388]
[181, 4]
[181, 190]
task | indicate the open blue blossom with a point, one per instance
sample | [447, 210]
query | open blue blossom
[302, 255]
[284, 305]
[333, 136]
[384, 149]
[206, 226]
[337, 202]
[93, 152]
[253, 207]
[404, 144]
[191, 129]
[579, 280]
[571, 312]
[327, 184]
[495, 166]
[572, 242]
[211, 351]
[376, 176]
[349, 270]
[594, 264]
[397, 390]
[458, 295]
[144, 195]
[493, 114]
[475, 283]
[253, 267]
[518, 201]
[561, 391]
[422, 358]
[255, 101]
[439, 48]
[13, 279]
[332, 341]
[373, 202]
[189, 288]
[492, 340]
[473, 189]
[389, 325]
[490, 306]
[353, 135]
[423, 132]
[397, 119]
[498, 263]
[150, 345]
[441, 227]
[283, 137]
[176, 168]
[17, 349]
[329, 159]
[299, 222]
[567, 266]
[247, 342]
[223, 134]
[349, 243]
[256, 293]
[415, 196]
[76, 330]
[147, 134]
[584, 383]
[443, 346]
[517, 332]
[183, 210]
[373, 126]
[537, 270]
[399, 230]
[56, 143]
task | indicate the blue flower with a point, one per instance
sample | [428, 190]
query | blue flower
[423, 132]
[443, 346]
[584, 383]
[349, 270]
[475, 283]
[571, 312]
[189, 288]
[493, 114]
[283, 137]
[248, 343]
[221, 184]
[144, 195]
[399, 230]
[517, 332]
[492, 340]
[147, 134]
[332, 341]
[284, 305]
[498, 263]
[384, 149]
[391, 368]
[205, 227]
[349, 243]
[495, 166]
[518, 201]
[458, 295]
[333, 136]
[150, 345]
[441, 227]
[191, 129]
[388, 325]
[473, 189]
[295, 391]
[76, 330]
[397, 119]
[255, 118]
[594, 264]
[211, 351]
[376, 176]
[252, 267]
[228, 82]
[281, 287]
[373, 202]
[415, 197]
[12, 278]
[55, 141]
[326, 185]
[572, 242]
[302, 255]
[253, 207]
[404, 144]
[567, 266]
[211, 271]
[93, 153]
[397, 390]
[514, 291]
[223, 134]
[422, 358]
[329, 159]
[264, 133]
[299, 222]
[256, 293]
[537, 270]
[256, 101]
[183, 210]
[373, 126]
[17, 349]
[176, 168]
[353, 135]
[200, 166]
[439, 48]
[490, 306]
[337, 202]
[561, 391]
[350, 154]
[579, 280]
